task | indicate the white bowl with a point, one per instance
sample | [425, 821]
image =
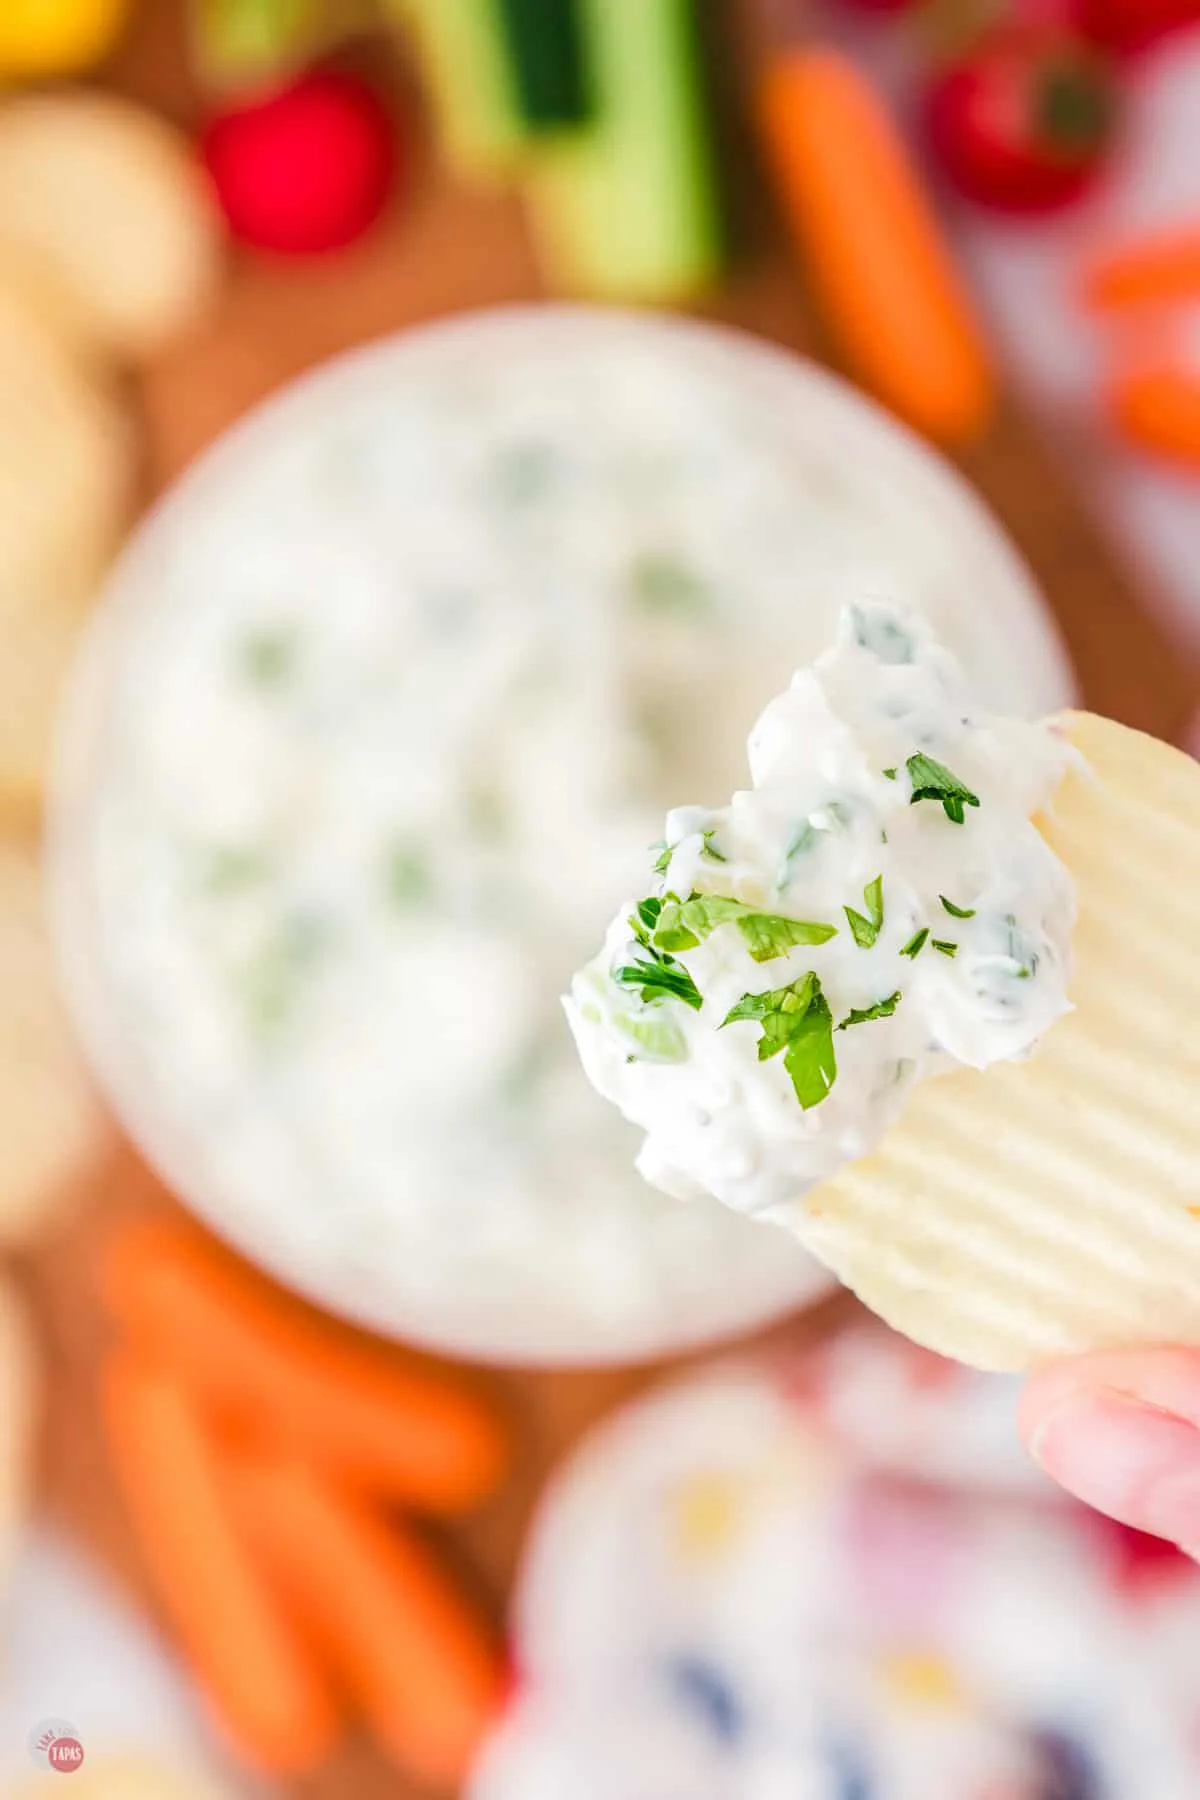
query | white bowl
[923, 536]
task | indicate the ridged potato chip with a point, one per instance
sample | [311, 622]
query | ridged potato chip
[51, 1123]
[127, 1777]
[18, 1418]
[66, 465]
[114, 205]
[1053, 1206]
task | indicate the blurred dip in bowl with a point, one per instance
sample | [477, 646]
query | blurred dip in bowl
[376, 726]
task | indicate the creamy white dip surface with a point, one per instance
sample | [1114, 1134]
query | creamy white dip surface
[387, 708]
[876, 908]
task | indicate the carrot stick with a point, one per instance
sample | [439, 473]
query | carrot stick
[1158, 409]
[255, 1356]
[880, 266]
[410, 1651]
[1162, 267]
[273, 1703]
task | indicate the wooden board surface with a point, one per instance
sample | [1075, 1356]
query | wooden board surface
[446, 250]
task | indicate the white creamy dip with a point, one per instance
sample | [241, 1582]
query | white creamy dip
[388, 704]
[878, 907]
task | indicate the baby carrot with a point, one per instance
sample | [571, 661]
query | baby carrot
[880, 266]
[1162, 267]
[259, 1358]
[273, 1703]
[409, 1650]
[1158, 409]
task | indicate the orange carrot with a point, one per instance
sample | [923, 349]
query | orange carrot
[274, 1704]
[880, 266]
[1158, 409]
[263, 1361]
[408, 1648]
[1155, 270]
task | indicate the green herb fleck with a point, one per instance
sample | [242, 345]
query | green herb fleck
[660, 980]
[890, 773]
[665, 853]
[945, 948]
[957, 912]
[709, 850]
[659, 582]
[882, 634]
[866, 930]
[686, 923]
[916, 944]
[274, 978]
[796, 1020]
[407, 880]
[882, 1009]
[934, 781]
[269, 657]
[524, 473]
[486, 811]
[231, 869]
[803, 841]
[659, 1037]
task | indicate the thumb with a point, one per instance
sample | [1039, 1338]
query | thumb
[1121, 1431]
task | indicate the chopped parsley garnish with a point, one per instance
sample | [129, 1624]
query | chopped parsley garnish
[945, 948]
[916, 943]
[803, 841]
[232, 869]
[659, 582]
[890, 773]
[709, 850]
[407, 881]
[797, 1021]
[269, 656]
[274, 979]
[882, 1009]
[665, 853]
[876, 630]
[661, 979]
[934, 781]
[957, 912]
[645, 919]
[866, 930]
[685, 923]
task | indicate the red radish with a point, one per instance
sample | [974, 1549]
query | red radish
[1026, 120]
[306, 170]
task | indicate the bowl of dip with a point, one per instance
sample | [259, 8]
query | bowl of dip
[373, 729]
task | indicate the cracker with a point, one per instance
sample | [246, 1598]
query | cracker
[115, 207]
[1053, 1206]
[18, 1415]
[66, 465]
[51, 1124]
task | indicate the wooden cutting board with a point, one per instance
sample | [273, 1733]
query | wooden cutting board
[447, 250]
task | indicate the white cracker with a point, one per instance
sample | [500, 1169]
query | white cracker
[1053, 1206]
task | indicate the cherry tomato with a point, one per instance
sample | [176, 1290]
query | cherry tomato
[1130, 25]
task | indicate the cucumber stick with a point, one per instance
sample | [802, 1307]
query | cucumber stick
[628, 208]
[474, 64]
[544, 40]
